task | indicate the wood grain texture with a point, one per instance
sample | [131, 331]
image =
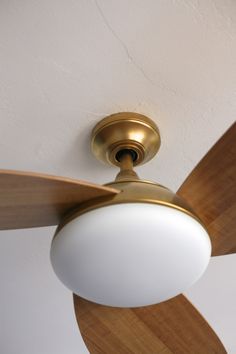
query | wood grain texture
[32, 200]
[173, 326]
[210, 189]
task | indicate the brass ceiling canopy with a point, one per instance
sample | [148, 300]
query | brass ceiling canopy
[125, 131]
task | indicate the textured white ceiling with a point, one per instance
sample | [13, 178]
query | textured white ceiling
[63, 66]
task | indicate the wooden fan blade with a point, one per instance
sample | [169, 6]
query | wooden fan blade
[211, 191]
[32, 200]
[173, 326]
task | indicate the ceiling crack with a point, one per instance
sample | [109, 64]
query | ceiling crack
[126, 50]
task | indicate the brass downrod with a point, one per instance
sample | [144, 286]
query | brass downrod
[126, 167]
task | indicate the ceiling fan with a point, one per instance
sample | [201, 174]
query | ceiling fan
[128, 249]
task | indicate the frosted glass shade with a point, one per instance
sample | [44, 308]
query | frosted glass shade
[131, 254]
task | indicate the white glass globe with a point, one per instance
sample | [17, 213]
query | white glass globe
[131, 254]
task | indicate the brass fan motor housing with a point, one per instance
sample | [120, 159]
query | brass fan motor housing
[133, 191]
[125, 131]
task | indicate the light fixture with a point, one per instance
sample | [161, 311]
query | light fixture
[140, 247]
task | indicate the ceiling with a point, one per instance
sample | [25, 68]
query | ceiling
[63, 66]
